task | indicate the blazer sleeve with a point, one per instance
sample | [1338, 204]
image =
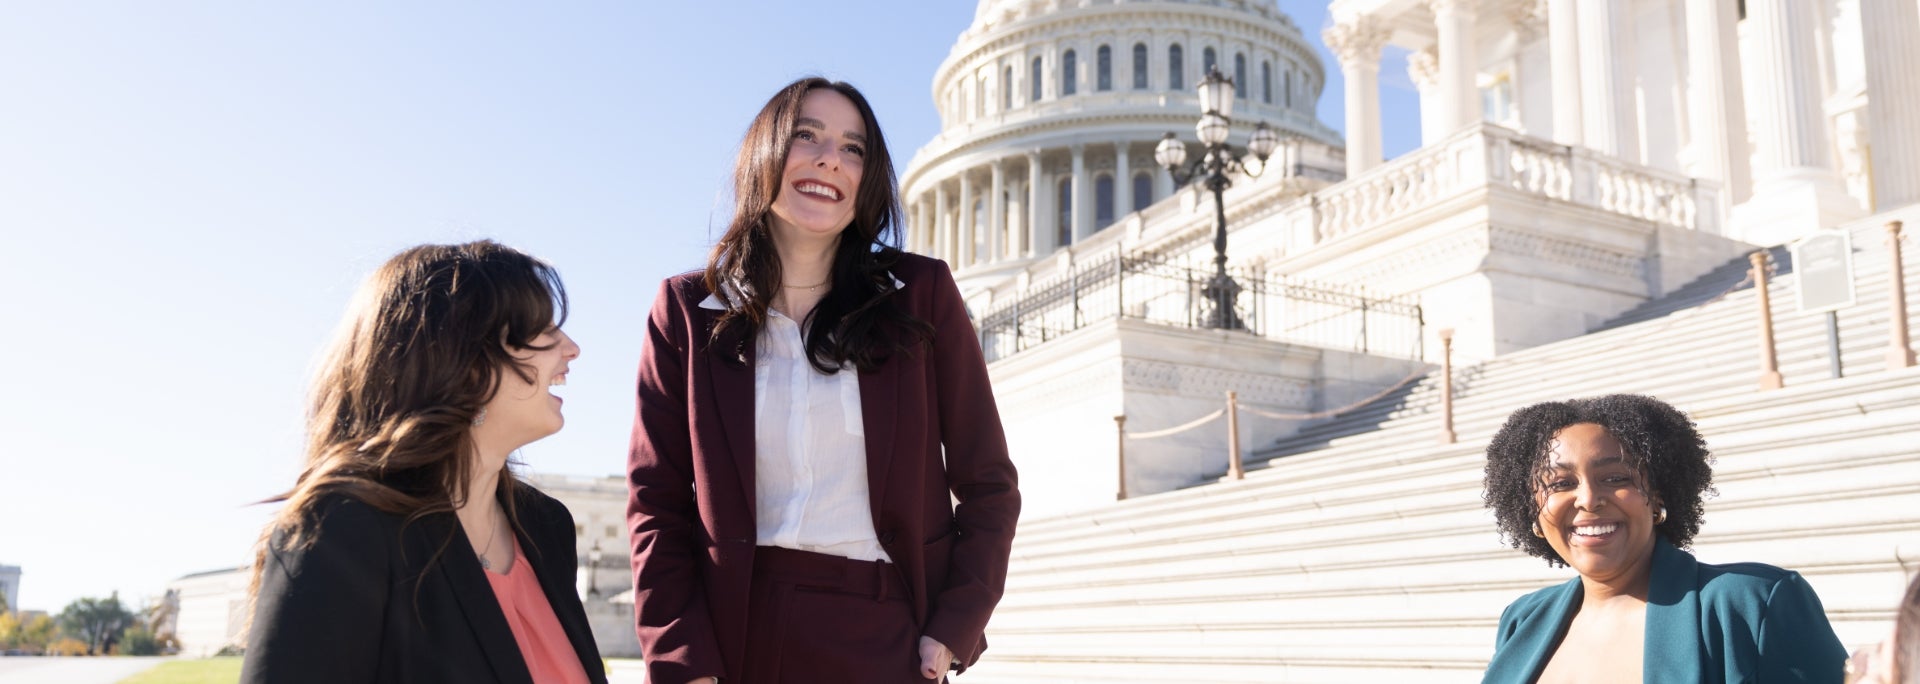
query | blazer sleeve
[980, 476]
[320, 610]
[1796, 643]
[669, 598]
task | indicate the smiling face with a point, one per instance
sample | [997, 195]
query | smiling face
[824, 164]
[1594, 510]
[523, 411]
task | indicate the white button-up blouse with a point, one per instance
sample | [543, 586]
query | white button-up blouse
[810, 449]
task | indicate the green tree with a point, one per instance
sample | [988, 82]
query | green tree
[9, 630]
[96, 622]
[138, 641]
[4, 608]
[36, 633]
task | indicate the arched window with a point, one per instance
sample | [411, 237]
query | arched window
[1266, 82]
[1064, 234]
[1104, 59]
[1288, 91]
[1240, 75]
[1068, 73]
[1035, 86]
[1142, 190]
[1208, 60]
[1139, 66]
[1006, 89]
[1102, 200]
[1176, 78]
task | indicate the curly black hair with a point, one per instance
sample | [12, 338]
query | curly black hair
[1662, 447]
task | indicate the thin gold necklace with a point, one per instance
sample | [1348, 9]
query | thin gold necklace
[808, 288]
[493, 531]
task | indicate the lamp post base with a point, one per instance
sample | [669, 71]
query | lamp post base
[1219, 295]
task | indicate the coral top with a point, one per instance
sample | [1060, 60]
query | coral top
[543, 644]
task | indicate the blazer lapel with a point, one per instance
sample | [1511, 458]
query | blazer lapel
[730, 374]
[879, 416]
[1673, 649]
[462, 571]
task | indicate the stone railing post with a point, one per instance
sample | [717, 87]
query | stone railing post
[1769, 363]
[1899, 352]
[1120, 441]
[1446, 387]
[1234, 470]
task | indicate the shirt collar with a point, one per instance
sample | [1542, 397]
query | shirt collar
[735, 291]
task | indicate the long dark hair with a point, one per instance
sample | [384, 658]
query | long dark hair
[1906, 636]
[393, 402]
[856, 323]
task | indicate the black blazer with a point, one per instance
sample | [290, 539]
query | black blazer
[375, 601]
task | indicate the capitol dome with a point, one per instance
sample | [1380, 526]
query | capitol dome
[1074, 94]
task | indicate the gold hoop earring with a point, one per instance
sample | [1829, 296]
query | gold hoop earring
[1661, 518]
[1536, 530]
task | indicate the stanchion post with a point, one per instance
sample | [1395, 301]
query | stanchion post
[1899, 351]
[1233, 437]
[1120, 439]
[1446, 387]
[1769, 362]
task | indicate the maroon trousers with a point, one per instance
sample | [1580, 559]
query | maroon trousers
[813, 617]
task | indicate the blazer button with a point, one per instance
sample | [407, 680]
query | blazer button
[886, 537]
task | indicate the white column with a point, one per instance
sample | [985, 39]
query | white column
[1459, 64]
[1122, 182]
[1892, 38]
[1606, 81]
[917, 226]
[1036, 238]
[1017, 214]
[1423, 68]
[966, 233]
[1357, 43]
[943, 227]
[1715, 100]
[1563, 45]
[997, 212]
[1082, 217]
[1796, 189]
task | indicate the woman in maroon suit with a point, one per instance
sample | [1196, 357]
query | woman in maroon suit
[811, 408]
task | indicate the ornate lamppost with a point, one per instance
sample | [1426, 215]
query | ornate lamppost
[1216, 111]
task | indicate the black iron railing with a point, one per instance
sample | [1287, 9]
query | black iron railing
[1157, 291]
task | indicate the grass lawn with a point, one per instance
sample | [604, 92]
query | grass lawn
[208, 671]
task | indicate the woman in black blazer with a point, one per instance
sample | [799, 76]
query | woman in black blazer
[407, 551]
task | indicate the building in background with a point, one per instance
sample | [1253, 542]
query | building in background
[10, 586]
[210, 610]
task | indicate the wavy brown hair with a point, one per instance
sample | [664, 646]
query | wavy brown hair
[393, 402]
[856, 323]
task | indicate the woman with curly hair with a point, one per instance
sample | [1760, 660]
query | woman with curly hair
[1612, 486]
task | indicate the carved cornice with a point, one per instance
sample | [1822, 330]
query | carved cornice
[1582, 256]
[1424, 68]
[1212, 383]
[1358, 42]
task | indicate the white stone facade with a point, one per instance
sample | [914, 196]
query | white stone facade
[212, 610]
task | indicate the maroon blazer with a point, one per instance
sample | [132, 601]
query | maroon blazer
[690, 474]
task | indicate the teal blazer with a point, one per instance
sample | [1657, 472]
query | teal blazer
[1743, 622]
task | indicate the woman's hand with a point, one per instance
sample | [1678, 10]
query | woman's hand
[935, 658]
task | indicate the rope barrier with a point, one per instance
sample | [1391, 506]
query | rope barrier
[1203, 420]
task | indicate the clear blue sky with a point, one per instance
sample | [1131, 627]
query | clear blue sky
[189, 191]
